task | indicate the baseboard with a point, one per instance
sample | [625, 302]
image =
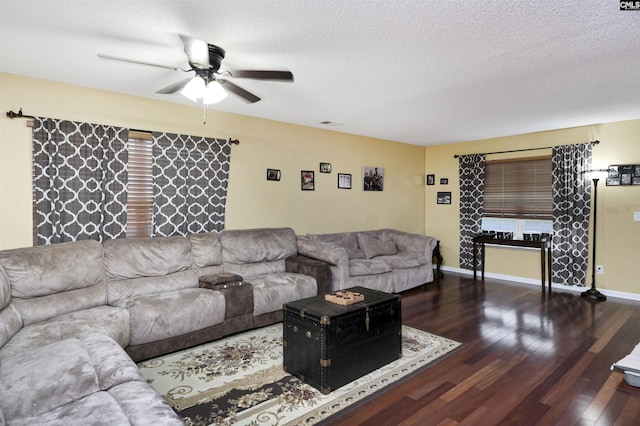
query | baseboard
[536, 282]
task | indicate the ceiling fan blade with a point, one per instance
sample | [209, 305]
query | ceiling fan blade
[174, 87]
[237, 90]
[133, 61]
[263, 75]
[197, 52]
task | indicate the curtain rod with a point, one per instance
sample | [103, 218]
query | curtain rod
[19, 114]
[596, 142]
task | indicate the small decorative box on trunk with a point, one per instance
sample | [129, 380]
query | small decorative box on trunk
[328, 345]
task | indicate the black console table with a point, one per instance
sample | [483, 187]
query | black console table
[543, 246]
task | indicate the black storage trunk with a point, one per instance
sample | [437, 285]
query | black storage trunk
[329, 345]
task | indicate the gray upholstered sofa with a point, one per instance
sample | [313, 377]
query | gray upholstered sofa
[75, 316]
[386, 259]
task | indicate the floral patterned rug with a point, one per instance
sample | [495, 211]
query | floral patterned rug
[239, 380]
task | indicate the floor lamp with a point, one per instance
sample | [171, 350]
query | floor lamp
[593, 293]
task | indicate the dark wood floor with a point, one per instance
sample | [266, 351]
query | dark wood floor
[531, 358]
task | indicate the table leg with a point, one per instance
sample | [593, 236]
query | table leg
[543, 275]
[549, 264]
[475, 259]
[482, 248]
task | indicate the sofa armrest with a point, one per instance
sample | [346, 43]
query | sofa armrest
[415, 243]
[213, 280]
[316, 268]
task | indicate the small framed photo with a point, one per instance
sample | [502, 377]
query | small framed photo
[372, 178]
[444, 181]
[273, 174]
[431, 179]
[325, 167]
[307, 180]
[344, 181]
[613, 181]
[444, 198]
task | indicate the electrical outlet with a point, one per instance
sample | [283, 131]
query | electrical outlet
[599, 269]
[636, 216]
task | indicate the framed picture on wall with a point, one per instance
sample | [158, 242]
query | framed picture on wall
[431, 179]
[307, 180]
[444, 181]
[372, 178]
[325, 167]
[273, 174]
[344, 181]
[444, 198]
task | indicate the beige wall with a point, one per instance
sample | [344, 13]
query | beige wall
[618, 235]
[252, 201]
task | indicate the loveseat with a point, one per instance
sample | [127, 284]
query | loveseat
[385, 259]
[75, 316]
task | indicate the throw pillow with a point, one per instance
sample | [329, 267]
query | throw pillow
[350, 244]
[373, 247]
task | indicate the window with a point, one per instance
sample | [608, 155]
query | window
[518, 196]
[140, 186]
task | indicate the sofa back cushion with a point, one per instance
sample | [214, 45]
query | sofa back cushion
[141, 266]
[206, 253]
[51, 280]
[253, 252]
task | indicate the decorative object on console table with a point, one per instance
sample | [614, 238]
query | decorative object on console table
[593, 294]
[622, 175]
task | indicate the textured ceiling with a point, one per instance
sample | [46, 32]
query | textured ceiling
[415, 71]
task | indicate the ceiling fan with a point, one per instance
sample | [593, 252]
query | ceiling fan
[209, 83]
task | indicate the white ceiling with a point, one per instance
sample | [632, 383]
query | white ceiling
[423, 72]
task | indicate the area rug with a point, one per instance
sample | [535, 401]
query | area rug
[239, 380]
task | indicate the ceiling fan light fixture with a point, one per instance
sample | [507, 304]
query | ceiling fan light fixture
[213, 93]
[194, 89]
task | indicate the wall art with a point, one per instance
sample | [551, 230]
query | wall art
[444, 197]
[431, 179]
[273, 174]
[372, 178]
[325, 167]
[307, 180]
[344, 181]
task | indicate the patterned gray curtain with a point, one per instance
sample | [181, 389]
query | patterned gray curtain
[571, 211]
[472, 169]
[191, 176]
[79, 181]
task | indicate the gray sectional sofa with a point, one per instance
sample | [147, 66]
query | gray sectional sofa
[75, 316]
[385, 259]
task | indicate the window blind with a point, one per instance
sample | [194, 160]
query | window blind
[520, 188]
[140, 186]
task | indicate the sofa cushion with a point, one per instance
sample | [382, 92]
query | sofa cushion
[373, 247]
[272, 291]
[128, 258]
[160, 316]
[44, 378]
[145, 266]
[108, 320]
[367, 267]
[55, 268]
[5, 289]
[10, 324]
[403, 260]
[258, 245]
[350, 244]
[111, 363]
[206, 249]
[143, 405]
